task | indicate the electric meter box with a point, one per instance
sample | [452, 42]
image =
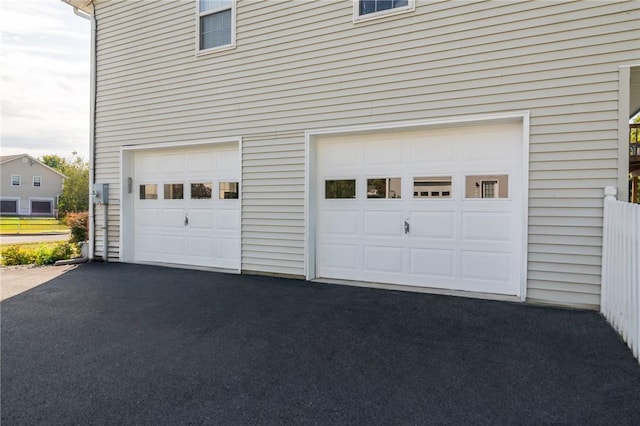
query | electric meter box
[100, 193]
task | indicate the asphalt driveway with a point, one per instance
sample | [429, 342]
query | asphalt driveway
[123, 344]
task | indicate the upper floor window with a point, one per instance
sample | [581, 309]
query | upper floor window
[367, 9]
[15, 180]
[216, 25]
[37, 181]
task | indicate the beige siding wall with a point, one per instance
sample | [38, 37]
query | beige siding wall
[301, 65]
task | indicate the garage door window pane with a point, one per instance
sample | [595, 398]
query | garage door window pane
[384, 188]
[229, 190]
[340, 188]
[173, 191]
[487, 186]
[201, 191]
[149, 191]
[41, 207]
[9, 206]
[432, 187]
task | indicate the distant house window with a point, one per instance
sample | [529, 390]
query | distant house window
[366, 9]
[37, 181]
[216, 24]
[15, 180]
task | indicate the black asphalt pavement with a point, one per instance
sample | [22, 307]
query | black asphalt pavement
[131, 344]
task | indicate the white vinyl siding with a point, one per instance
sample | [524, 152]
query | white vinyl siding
[306, 65]
[273, 204]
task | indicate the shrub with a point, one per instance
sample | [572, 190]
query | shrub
[43, 255]
[78, 222]
[15, 255]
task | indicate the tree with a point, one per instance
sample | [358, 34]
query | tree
[75, 190]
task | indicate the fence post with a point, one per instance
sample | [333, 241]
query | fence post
[610, 193]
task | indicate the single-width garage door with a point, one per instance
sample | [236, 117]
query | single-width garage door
[187, 206]
[438, 208]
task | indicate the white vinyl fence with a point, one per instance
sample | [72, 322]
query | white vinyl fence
[620, 302]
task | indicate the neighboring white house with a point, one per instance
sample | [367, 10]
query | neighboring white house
[29, 187]
[454, 147]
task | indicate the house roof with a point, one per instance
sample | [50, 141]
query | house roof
[8, 158]
[84, 5]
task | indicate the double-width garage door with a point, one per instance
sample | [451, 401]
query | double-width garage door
[441, 208]
[187, 207]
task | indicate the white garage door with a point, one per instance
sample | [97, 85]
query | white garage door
[441, 208]
[187, 207]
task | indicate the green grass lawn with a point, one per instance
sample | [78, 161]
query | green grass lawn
[30, 225]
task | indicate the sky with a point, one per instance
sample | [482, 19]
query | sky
[44, 85]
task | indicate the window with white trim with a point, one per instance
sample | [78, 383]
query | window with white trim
[366, 9]
[216, 25]
[15, 180]
[37, 181]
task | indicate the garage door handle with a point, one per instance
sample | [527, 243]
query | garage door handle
[406, 227]
[186, 220]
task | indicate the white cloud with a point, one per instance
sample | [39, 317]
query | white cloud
[44, 79]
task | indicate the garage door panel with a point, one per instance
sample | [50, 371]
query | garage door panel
[340, 222]
[343, 256]
[433, 149]
[341, 157]
[171, 164]
[147, 217]
[383, 259]
[433, 262]
[173, 244]
[488, 266]
[202, 219]
[172, 218]
[227, 247]
[484, 226]
[383, 224]
[227, 162]
[382, 154]
[228, 220]
[199, 246]
[147, 243]
[147, 165]
[433, 225]
[200, 162]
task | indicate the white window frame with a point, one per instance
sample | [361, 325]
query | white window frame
[39, 178]
[13, 180]
[199, 15]
[410, 7]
